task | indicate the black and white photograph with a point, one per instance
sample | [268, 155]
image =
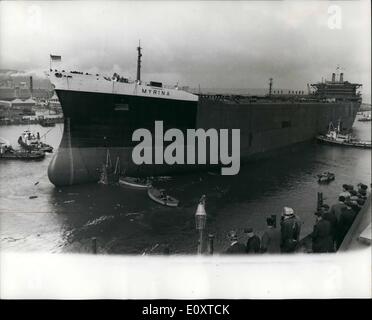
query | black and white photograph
[185, 150]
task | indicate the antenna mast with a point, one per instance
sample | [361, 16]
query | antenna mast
[270, 85]
[139, 61]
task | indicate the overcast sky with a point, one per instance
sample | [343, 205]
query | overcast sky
[214, 44]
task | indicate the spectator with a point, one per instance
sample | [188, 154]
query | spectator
[362, 191]
[330, 216]
[344, 223]
[253, 242]
[362, 187]
[235, 246]
[345, 192]
[270, 241]
[361, 202]
[338, 208]
[290, 230]
[322, 235]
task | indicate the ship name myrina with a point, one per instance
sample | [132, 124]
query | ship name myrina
[157, 92]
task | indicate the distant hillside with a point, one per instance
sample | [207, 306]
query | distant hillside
[2, 71]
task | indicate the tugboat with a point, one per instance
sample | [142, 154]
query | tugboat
[30, 142]
[334, 136]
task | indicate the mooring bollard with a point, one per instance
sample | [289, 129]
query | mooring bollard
[210, 243]
[94, 245]
[320, 200]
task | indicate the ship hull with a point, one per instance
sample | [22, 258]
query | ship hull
[97, 122]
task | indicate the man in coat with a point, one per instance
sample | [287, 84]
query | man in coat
[235, 246]
[345, 191]
[344, 223]
[362, 188]
[322, 235]
[330, 216]
[270, 241]
[253, 243]
[338, 208]
[290, 228]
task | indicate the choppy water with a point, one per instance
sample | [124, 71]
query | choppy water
[127, 221]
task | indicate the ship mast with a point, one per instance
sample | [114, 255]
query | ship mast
[139, 62]
[270, 85]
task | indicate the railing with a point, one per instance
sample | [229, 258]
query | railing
[121, 80]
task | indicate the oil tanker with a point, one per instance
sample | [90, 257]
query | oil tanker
[101, 113]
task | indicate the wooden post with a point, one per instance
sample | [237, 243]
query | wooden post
[210, 242]
[320, 200]
[200, 242]
[94, 245]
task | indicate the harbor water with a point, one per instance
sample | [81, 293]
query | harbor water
[37, 216]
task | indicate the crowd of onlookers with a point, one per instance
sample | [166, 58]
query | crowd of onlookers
[334, 222]
[331, 226]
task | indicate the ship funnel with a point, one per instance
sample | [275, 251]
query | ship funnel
[341, 77]
[333, 77]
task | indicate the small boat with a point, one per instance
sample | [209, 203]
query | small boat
[326, 177]
[47, 122]
[159, 196]
[139, 183]
[29, 141]
[335, 137]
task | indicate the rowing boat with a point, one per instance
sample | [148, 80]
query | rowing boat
[138, 183]
[160, 197]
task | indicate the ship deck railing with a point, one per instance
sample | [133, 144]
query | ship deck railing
[246, 98]
[122, 80]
